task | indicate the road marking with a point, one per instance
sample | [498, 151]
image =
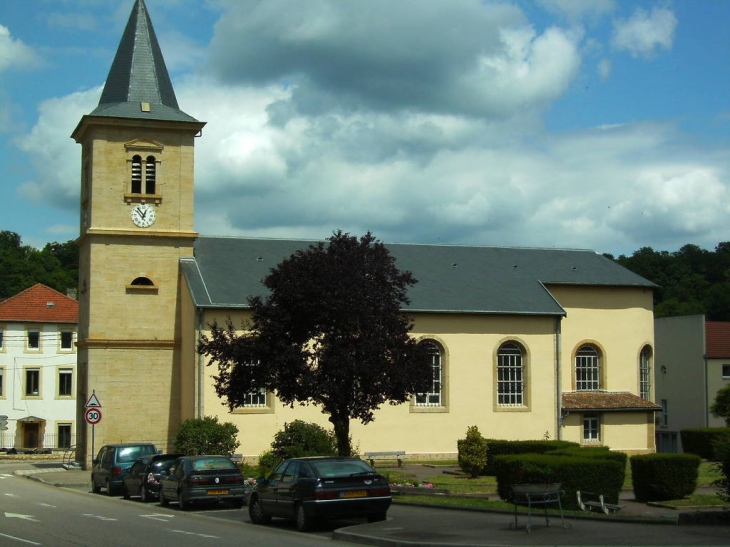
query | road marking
[24, 517]
[194, 534]
[44, 504]
[158, 516]
[8, 494]
[20, 539]
[97, 517]
[5, 476]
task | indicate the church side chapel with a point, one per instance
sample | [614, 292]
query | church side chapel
[525, 343]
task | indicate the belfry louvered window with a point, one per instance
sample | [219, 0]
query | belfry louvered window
[144, 177]
[150, 175]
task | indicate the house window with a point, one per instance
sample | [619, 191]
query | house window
[645, 373]
[591, 428]
[725, 370]
[2, 347]
[67, 340]
[255, 398]
[64, 436]
[32, 382]
[34, 340]
[665, 413]
[510, 375]
[2, 388]
[587, 369]
[433, 396]
[65, 382]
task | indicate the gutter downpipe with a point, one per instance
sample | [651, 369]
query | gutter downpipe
[558, 379]
[201, 364]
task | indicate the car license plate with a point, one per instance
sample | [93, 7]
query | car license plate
[354, 494]
[217, 492]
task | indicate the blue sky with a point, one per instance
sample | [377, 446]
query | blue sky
[551, 123]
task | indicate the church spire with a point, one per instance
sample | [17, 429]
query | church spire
[138, 84]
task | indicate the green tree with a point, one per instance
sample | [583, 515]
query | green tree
[198, 436]
[472, 452]
[330, 332]
[720, 408]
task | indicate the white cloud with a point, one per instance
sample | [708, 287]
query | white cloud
[645, 32]
[14, 53]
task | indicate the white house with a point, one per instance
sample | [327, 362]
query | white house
[38, 330]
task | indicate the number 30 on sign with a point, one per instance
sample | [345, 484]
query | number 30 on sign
[92, 416]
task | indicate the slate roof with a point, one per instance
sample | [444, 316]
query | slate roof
[40, 304]
[139, 75]
[606, 401]
[717, 339]
[226, 271]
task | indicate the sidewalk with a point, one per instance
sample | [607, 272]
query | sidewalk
[409, 526]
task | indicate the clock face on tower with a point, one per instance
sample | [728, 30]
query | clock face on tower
[143, 215]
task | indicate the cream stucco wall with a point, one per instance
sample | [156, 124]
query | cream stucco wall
[618, 320]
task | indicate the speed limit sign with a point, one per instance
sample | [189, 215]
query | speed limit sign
[92, 416]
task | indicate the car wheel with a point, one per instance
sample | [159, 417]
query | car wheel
[377, 517]
[143, 494]
[95, 488]
[256, 513]
[125, 491]
[304, 522]
[163, 500]
[183, 504]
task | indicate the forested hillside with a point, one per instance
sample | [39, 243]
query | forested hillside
[22, 266]
[691, 280]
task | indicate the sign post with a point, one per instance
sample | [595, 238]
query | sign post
[93, 417]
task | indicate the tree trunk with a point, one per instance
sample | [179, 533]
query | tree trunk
[342, 434]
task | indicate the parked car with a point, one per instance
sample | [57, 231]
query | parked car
[143, 478]
[202, 479]
[113, 461]
[309, 489]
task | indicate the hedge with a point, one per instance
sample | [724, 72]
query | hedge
[701, 441]
[662, 477]
[502, 448]
[591, 474]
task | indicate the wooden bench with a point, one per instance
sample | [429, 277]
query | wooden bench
[589, 501]
[398, 455]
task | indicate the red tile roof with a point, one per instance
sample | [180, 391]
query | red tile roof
[606, 401]
[40, 304]
[717, 339]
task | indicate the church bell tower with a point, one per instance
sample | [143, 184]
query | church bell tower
[137, 156]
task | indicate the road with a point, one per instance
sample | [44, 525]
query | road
[36, 514]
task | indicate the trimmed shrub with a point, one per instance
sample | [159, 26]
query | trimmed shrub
[662, 477]
[592, 474]
[701, 441]
[722, 451]
[206, 435]
[472, 452]
[300, 438]
[268, 462]
[502, 448]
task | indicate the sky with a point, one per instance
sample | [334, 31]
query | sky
[599, 124]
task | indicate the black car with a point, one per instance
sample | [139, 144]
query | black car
[309, 489]
[202, 479]
[144, 476]
[113, 461]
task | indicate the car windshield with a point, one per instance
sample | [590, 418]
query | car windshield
[339, 468]
[131, 453]
[206, 464]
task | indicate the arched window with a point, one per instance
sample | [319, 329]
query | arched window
[645, 373]
[434, 396]
[510, 375]
[136, 175]
[587, 369]
[142, 282]
[150, 175]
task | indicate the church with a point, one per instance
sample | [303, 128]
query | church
[526, 343]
